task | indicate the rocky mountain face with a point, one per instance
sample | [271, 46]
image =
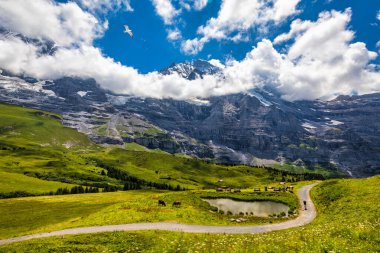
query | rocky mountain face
[191, 70]
[256, 127]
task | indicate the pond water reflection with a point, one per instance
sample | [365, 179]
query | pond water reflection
[256, 208]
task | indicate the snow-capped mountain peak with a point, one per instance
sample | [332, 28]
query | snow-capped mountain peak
[191, 70]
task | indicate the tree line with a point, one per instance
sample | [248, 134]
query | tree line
[74, 190]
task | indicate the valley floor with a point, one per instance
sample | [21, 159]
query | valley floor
[31, 215]
[348, 221]
[305, 217]
[35, 159]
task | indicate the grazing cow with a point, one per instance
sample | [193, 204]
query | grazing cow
[219, 189]
[161, 203]
[237, 190]
[176, 203]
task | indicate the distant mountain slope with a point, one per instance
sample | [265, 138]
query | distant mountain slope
[39, 155]
[256, 127]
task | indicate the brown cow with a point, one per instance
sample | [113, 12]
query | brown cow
[161, 203]
[177, 203]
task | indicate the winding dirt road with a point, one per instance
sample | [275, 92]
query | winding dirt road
[305, 217]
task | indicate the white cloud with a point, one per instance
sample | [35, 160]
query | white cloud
[104, 6]
[328, 33]
[65, 24]
[200, 4]
[282, 9]
[197, 5]
[378, 15]
[166, 10]
[241, 15]
[184, 4]
[296, 27]
[174, 34]
[88, 61]
[217, 63]
[236, 17]
[193, 46]
[317, 64]
[322, 61]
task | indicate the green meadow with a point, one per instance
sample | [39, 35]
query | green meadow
[348, 221]
[38, 156]
[22, 216]
[13, 182]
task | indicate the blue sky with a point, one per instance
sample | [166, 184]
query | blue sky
[304, 49]
[150, 50]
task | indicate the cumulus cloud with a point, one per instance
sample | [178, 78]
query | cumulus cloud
[322, 61]
[104, 6]
[217, 63]
[166, 10]
[193, 46]
[378, 15]
[197, 5]
[174, 34]
[317, 64]
[64, 23]
[236, 17]
[200, 4]
[296, 27]
[88, 61]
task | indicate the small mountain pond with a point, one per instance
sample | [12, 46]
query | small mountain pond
[254, 208]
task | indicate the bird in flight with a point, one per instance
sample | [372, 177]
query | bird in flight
[128, 30]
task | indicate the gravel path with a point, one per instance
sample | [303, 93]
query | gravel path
[305, 217]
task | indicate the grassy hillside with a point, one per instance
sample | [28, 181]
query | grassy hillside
[48, 213]
[38, 154]
[348, 221]
[13, 182]
[31, 142]
[27, 127]
[190, 173]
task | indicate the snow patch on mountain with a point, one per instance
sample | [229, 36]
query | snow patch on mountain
[197, 101]
[262, 100]
[308, 126]
[15, 84]
[335, 123]
[82, 93]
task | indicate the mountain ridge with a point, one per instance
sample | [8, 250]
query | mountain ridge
[256, 127]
